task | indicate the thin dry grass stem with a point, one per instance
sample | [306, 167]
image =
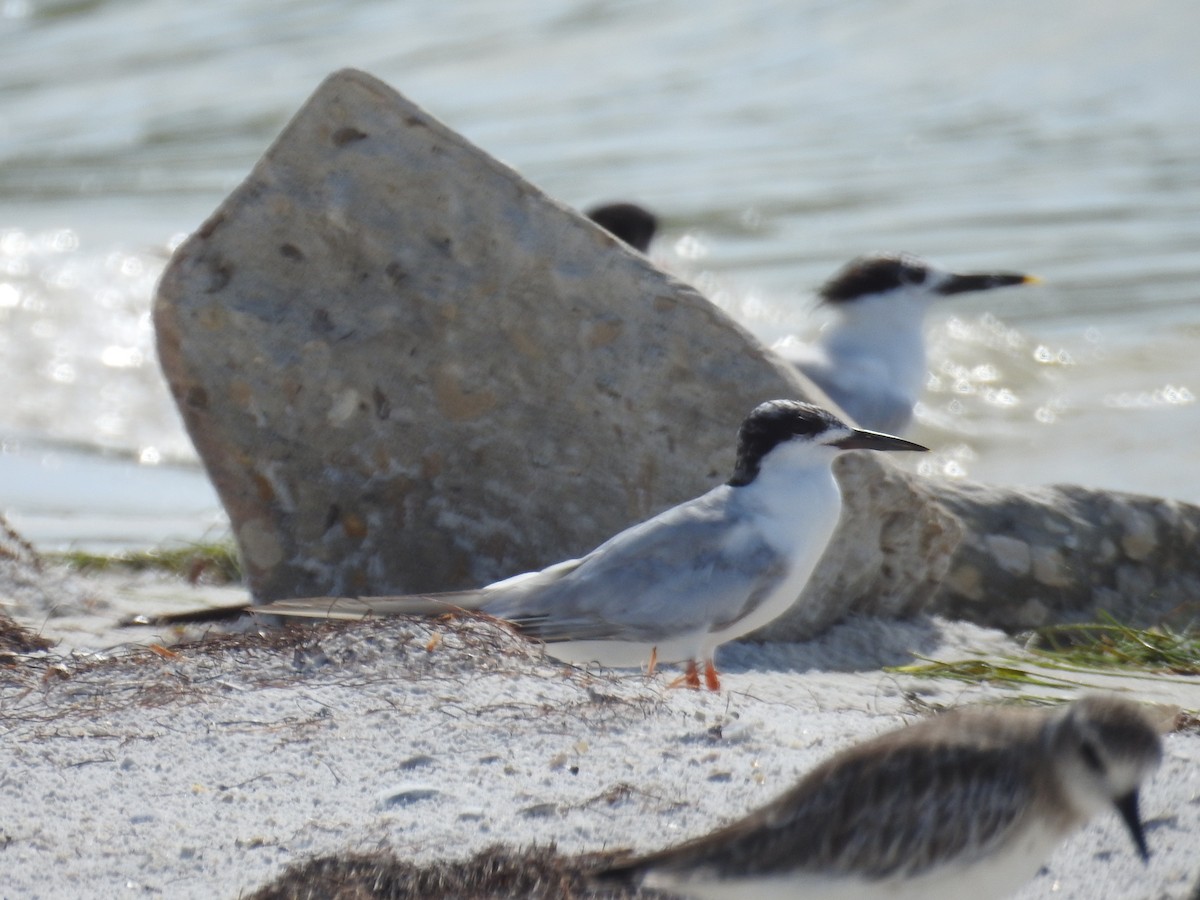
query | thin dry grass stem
[1108, 643]
[15, 547]
[17, 641]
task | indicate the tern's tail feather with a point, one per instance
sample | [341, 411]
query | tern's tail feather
[371, 607]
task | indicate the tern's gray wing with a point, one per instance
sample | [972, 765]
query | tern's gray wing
[697, 567]
[873, 813]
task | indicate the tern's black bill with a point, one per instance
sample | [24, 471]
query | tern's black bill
[961, 284]
[875, 440]
[1127, 806]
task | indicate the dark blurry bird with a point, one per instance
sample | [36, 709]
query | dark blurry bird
[968, 804]
[631, 223]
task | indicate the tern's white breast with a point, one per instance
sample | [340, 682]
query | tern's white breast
[794, 504]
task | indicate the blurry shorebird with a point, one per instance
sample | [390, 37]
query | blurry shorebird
[677, 586]
[631, 223]
[870, 360]
[967, 804]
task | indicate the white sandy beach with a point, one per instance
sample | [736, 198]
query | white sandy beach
[776, 141]
[205, 772]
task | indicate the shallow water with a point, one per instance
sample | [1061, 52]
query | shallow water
[776, 138]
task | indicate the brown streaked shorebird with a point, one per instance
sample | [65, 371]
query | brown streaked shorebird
[966, 804]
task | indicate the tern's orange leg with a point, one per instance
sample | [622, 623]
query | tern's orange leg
[712, 678]
[653, 664]
[690, 678]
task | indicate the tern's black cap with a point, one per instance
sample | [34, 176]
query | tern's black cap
[776, 421]
[878, 273]
[772, 423]
[874, 274]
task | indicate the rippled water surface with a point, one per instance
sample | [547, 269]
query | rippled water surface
[777, 139]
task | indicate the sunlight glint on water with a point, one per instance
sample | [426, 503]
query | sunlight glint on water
[776, 139]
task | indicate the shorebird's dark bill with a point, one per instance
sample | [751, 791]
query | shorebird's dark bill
[961, 284]
[875, 440]
[1127, 806]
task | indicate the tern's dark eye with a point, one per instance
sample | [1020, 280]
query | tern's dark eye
[914, 274]
[1091, 757]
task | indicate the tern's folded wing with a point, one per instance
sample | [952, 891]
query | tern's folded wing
[682, 572]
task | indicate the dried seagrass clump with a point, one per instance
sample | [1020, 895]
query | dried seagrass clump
[533, 873]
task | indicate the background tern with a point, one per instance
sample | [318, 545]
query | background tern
[633, 224]
[870, 360]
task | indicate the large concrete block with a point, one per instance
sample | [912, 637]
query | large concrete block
[407, 369]
[1065, 553]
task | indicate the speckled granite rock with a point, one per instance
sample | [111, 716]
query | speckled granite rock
[407, 369]
[1065, 553]
[1008, 558]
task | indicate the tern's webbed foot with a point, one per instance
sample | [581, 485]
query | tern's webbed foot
[689, 679]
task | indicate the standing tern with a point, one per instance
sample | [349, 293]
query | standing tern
[870, 360]
[677, 586]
